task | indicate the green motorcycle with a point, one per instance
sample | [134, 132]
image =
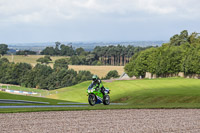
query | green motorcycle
[95, 96]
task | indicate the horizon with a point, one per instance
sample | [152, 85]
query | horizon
[88, 46]
[65, 42]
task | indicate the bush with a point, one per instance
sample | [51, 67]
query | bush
[112, 74]
[4, 59]
[44, 60]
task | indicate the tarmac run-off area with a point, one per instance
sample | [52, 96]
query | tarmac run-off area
[131, 120]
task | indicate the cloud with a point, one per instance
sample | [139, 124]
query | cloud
[30, 11]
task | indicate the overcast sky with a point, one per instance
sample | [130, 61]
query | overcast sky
[96, 20]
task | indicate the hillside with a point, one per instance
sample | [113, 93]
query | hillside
[154, 91]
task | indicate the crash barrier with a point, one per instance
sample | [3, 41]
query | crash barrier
[19, 92]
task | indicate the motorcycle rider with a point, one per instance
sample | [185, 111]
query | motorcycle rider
[97, 82]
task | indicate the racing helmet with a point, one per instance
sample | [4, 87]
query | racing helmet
[94, 78]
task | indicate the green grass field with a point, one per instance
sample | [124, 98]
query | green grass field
[147, 91]
[165, 93]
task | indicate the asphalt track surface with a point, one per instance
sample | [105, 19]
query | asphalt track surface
[54, 106]
[42, 106]
[108, 121]
[67, 104]
[88, 103]
[20, 101]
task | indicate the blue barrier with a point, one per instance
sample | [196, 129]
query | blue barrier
[21, 92]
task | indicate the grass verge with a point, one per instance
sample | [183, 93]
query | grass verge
[109, 107]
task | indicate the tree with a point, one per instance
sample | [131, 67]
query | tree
[57, 45]
[177, 40]
[41, 73]
[75, 60]
[91, 58]
[83, 76]
[80, 51]
[66, 50]
[61, 63]
[48, 51]
[3, 49]
[57, 48]
[66, 78]
[194, 38]
[20, 70]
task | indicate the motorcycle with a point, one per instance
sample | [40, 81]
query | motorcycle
[95, 96]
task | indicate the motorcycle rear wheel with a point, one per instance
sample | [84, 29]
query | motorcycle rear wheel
[106, 99]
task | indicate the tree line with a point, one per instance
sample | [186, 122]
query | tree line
[101, 55]
[181, 54]
[26, 52]
[41, 76]
[116, 55]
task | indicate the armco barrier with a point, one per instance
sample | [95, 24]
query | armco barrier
[21, 92]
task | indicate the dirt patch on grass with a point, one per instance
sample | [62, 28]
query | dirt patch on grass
[124, 99]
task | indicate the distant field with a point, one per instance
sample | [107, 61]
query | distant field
[101, 71]
[147, 91]
[31, 59]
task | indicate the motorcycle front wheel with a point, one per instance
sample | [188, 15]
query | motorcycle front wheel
[92, 99]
